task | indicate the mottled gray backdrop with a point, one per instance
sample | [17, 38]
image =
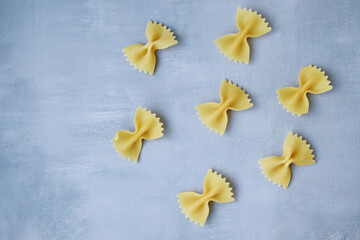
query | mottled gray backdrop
[66, 88]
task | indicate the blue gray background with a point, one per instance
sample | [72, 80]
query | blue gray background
[66, 88]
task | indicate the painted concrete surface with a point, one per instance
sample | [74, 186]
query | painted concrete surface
[66, 88]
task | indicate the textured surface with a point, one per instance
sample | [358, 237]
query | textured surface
[147, 127]
[195, 206]
[142, 56]
[296, 151]
[311, 81]
[235, 46]
[214, 115]
[66, 88]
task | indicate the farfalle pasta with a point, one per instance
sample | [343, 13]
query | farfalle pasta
[143, 56]
[311, 80]
[295, 151]
[147, 126]
[235, 46]
[196, 206]
[214, 115]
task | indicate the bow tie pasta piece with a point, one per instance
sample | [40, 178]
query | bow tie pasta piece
[147, 126]
[196, 206]
[295, 151]
[143, 56]
[214, 115]
[311, 80]
[235, 46]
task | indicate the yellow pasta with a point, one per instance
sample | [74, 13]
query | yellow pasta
[295, 151]
[214, 115]
[196, 206]
[235, 46]
[143, 56]
[311, 80]
[147, 126]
